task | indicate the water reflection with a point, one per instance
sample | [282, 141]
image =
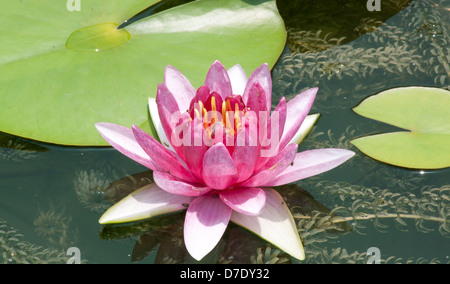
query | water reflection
[355, 208]
[18, 150]
[237, 246]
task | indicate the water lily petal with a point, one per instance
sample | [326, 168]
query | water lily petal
[180, 87]
[274, 166]
[194, 148]
[246, 149]
[213, 110]
[238, 79]
[274, 128]
[281, 110]
[173, 185]
[165, 157]
[202, 95]
[153, 110]
[297, 109]
[147, 202]
[310, 163]
[169, 114]
[206, 220]
[165, 98]
[173, 121]
[263, 77]
[123, 140]
[256, 100]
[246, 200]
[274, 224]
[218, 81]
[219, 170]
[305, 128]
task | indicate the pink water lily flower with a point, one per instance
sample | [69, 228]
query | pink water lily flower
[221, 151]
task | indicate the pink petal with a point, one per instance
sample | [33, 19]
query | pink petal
[165, 98]
[256, 100]
[219, 170]
[218, 101]
[206, 220]
[281, 109]
[218, 81]
[273, 167]
[164, 156]
[194, 148]
[245, 200]
[297, 109]
[203, 93]
[175, 186]
[270, 143]
[180, 87]
[245, 153]
[123, 140]
[236, 99]
[310, 163]
[169, 114]
[263, 77]
[238, 79]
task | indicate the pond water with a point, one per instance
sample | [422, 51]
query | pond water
[52, 196]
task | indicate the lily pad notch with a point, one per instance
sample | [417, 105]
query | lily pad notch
[425, 112]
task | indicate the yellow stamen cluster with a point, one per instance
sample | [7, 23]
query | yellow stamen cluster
[226, 112]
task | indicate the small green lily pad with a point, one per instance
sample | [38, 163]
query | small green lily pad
[64, 68]
[425, 112]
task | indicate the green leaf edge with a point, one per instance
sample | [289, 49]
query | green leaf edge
[360, 142]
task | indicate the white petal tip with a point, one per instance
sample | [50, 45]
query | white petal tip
[305, 128]
[147, 202]
[238, 79]
[105, 219]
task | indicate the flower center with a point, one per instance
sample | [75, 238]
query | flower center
[214, 110]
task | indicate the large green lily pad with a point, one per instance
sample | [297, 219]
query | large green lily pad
[61, 71]
[422, 110]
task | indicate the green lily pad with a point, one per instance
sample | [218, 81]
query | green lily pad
[62, 70]
[422, 110]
